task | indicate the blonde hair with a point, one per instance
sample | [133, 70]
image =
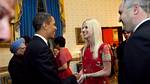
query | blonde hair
[96, 38]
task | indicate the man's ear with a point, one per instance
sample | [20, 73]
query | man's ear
[136, 9]
[44, 25]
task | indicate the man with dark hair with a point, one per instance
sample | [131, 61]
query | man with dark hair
[40, 65]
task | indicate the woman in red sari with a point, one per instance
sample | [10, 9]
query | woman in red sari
[63, 57]
[96, 57]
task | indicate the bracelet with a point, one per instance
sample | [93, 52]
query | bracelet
[88, 75]
[85, 76]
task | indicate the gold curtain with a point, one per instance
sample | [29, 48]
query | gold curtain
[18, 11]
[61, 3]
[16, 21]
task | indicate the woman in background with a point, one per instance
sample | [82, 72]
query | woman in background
[96, 57]
[63, 58]
[27, 40]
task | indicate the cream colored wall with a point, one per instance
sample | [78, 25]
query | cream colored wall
[76, 11]
[5, 56]
[105, 11]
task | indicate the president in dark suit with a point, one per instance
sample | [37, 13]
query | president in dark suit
[39, 63]
[134, 14]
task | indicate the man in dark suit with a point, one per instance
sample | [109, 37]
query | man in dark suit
[134, 14]
[15, 66]
[39, 63]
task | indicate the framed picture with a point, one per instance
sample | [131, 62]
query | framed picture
[79, 40]
[112, 35]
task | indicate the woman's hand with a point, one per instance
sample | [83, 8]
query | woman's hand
[77, 75]
[82, 77]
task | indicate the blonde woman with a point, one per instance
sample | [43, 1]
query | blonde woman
[96, 57]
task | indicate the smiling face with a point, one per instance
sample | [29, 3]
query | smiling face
[86, 31]
[7, 12]
[50, 28]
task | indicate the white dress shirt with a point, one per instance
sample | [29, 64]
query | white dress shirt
[41, 38]
[140, 24]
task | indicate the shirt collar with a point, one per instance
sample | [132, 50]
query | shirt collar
[140, 24]
[41, 38]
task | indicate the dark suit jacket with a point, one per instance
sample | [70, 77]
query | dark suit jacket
[15, 69]
[121, 66]
[39, 64]
[137, 55]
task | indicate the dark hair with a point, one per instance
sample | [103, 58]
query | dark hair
[60, 40]
[114, 44]
[39, 19]
[27, 39]
[124, 31]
